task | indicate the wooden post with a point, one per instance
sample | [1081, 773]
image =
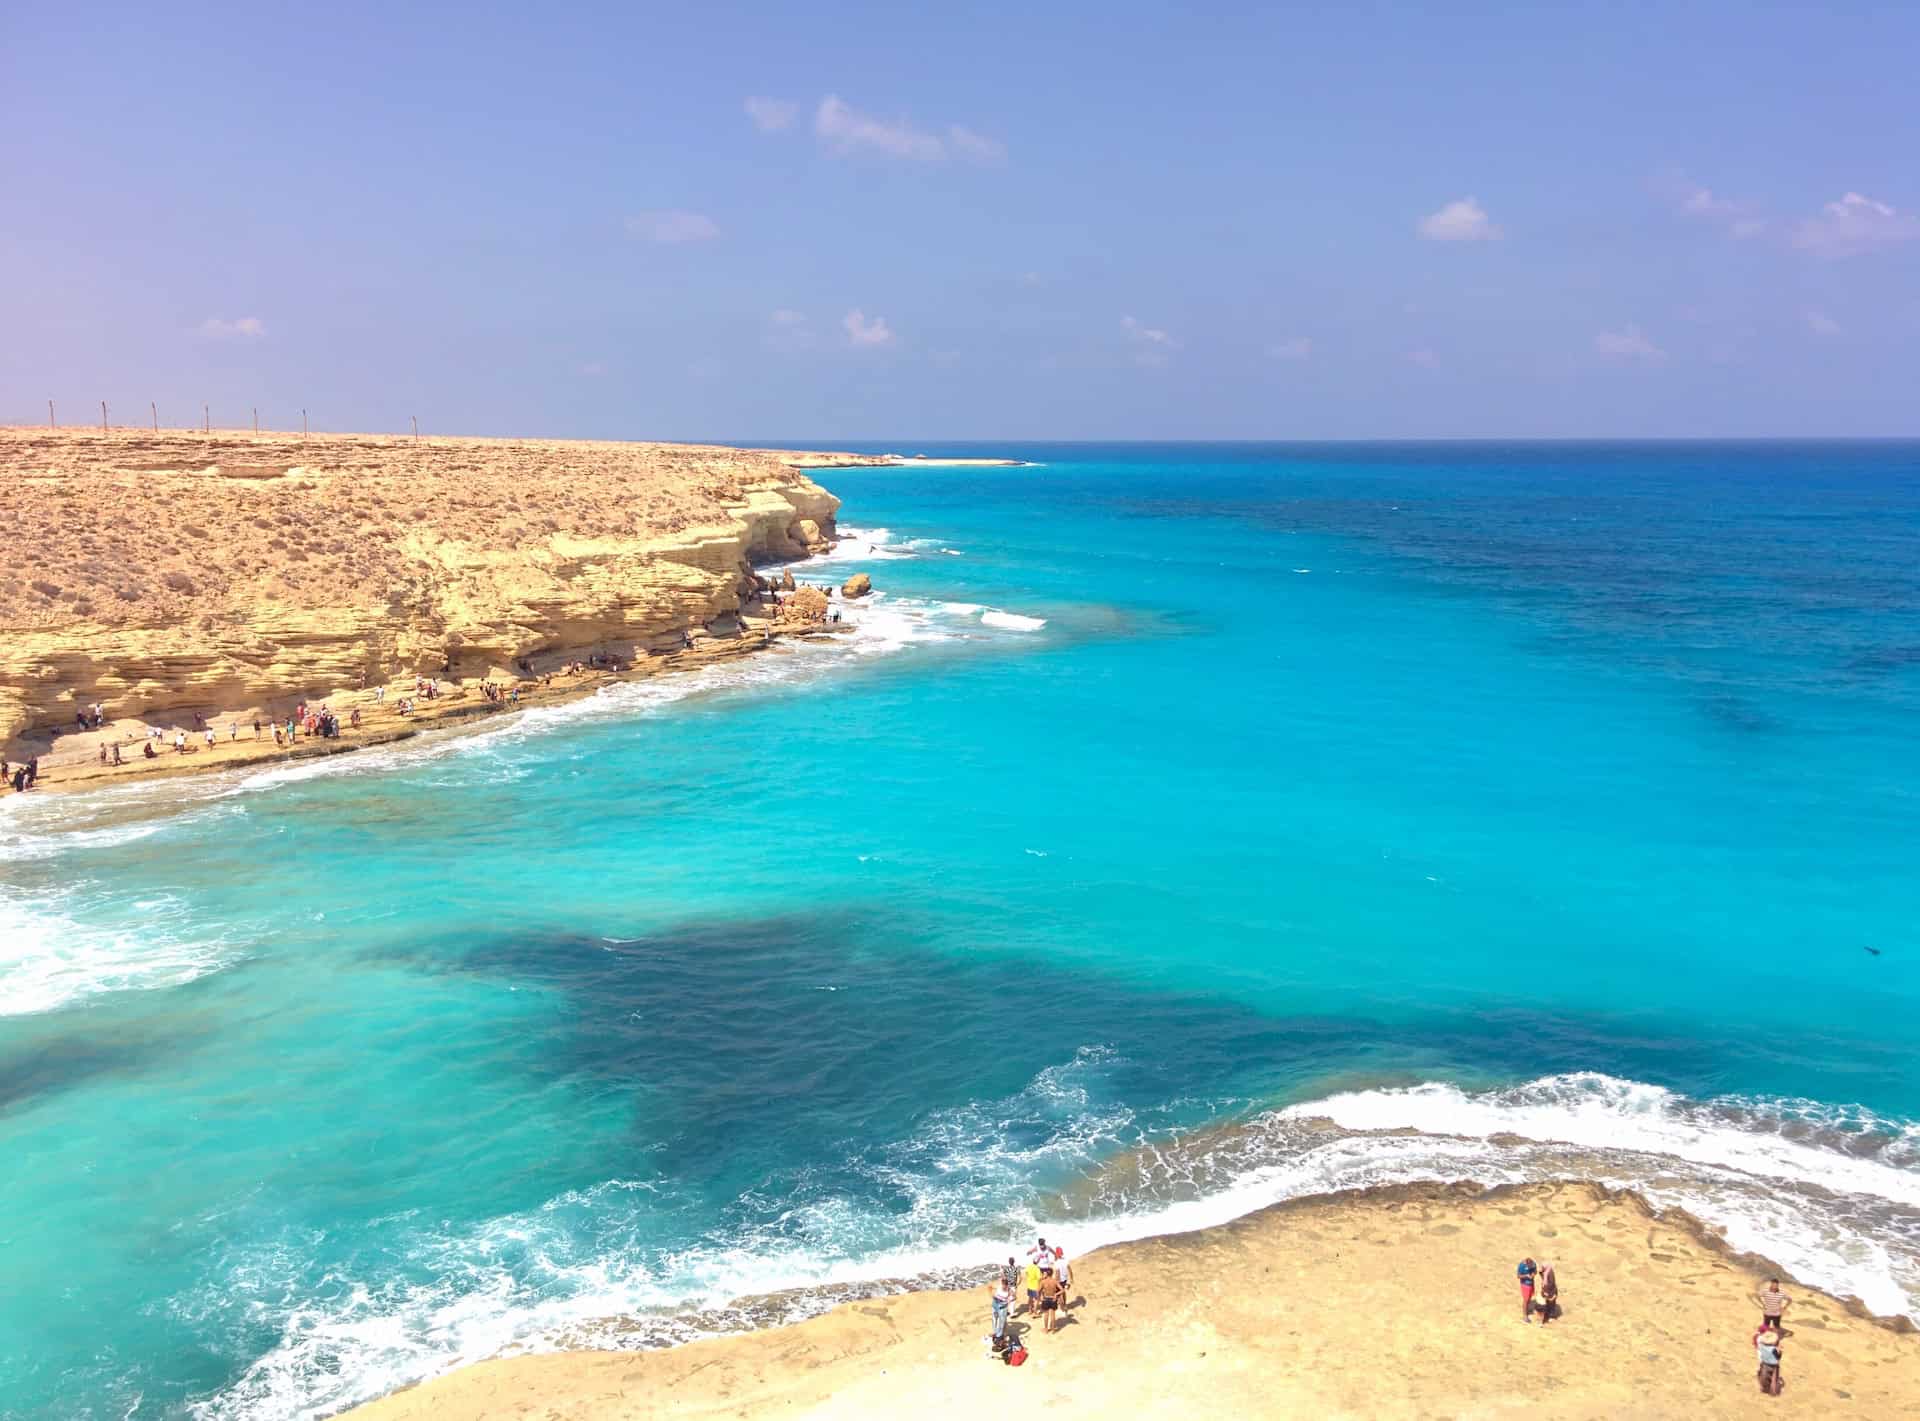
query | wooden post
[303, 424]
[103, 416]
[206, 420]
[50, 423]
[416, 428]
[156, 415]
[256, 419]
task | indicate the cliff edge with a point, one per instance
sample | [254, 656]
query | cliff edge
[163, 573]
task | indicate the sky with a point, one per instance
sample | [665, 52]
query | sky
[1113, 221]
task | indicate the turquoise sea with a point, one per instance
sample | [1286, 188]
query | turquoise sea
[1465, 811]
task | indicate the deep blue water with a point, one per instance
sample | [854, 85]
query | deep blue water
[1541, 800]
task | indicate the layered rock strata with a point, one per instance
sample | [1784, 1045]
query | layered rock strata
[167, 573]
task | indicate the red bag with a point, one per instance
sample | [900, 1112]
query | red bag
[1016, 1355]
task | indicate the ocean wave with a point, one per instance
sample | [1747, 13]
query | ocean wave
[1013, 621]
[863, 545]
[951, 1199]
[49, 959]
[1832, 1194]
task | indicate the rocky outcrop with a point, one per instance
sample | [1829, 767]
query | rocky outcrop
[859, 585]
[807, 608]
[181, 574]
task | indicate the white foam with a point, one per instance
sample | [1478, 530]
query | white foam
[864, 545]
[49, 960]
[1604, 1113]
[1013, 621]
[541, 1280]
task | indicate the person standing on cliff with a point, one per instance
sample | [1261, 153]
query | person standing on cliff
[1773, 1303]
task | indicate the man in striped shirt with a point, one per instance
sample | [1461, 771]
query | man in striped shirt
[1772, 1302]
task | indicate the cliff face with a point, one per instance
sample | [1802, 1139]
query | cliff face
[174, 573]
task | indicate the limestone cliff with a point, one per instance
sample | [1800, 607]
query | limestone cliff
[168, 573]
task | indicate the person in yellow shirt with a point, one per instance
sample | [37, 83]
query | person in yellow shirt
[1032, 1284]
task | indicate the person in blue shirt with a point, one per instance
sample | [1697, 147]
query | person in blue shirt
[1526, 1271]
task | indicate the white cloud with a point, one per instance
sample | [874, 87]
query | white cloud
[1821, 324]
[1151, 344]
[771, 115]
[1462, 220]
[1424, 358]
[672, 226]
[864, 331]
[844, 130]
[1703, 204]
[789, 330]
[245, 328]
[1700, 202]
[1293, 348]
[1628, 343]
[1147, 335]
[973, 147]
[1854, 224]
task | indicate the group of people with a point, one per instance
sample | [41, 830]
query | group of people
[1047, 1280]
[1766, 1342]
[1540, 1292]
[22, 776]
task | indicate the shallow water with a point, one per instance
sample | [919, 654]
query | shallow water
[1184, 828]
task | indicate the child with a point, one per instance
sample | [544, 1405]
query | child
[1526, 1271]
[1766, 1343]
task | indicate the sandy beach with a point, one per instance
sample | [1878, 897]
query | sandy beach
[1397, 1302]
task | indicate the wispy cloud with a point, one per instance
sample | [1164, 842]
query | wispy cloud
[1628, 343]
[244, 328]
[1703, 204]
[1293, 348]
[1462, 220]
[790, 330]
[1424, 358]
[867, 331]
[672, 226]
[1151, 344]
[1821, 324]
[971, 147]
[844, 130]
[1854, 224]
[771, 115]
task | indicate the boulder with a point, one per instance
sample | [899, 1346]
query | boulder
[806, 607]
[786, 579]
[859, 585]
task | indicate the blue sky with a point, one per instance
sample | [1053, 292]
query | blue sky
[1018, 221]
